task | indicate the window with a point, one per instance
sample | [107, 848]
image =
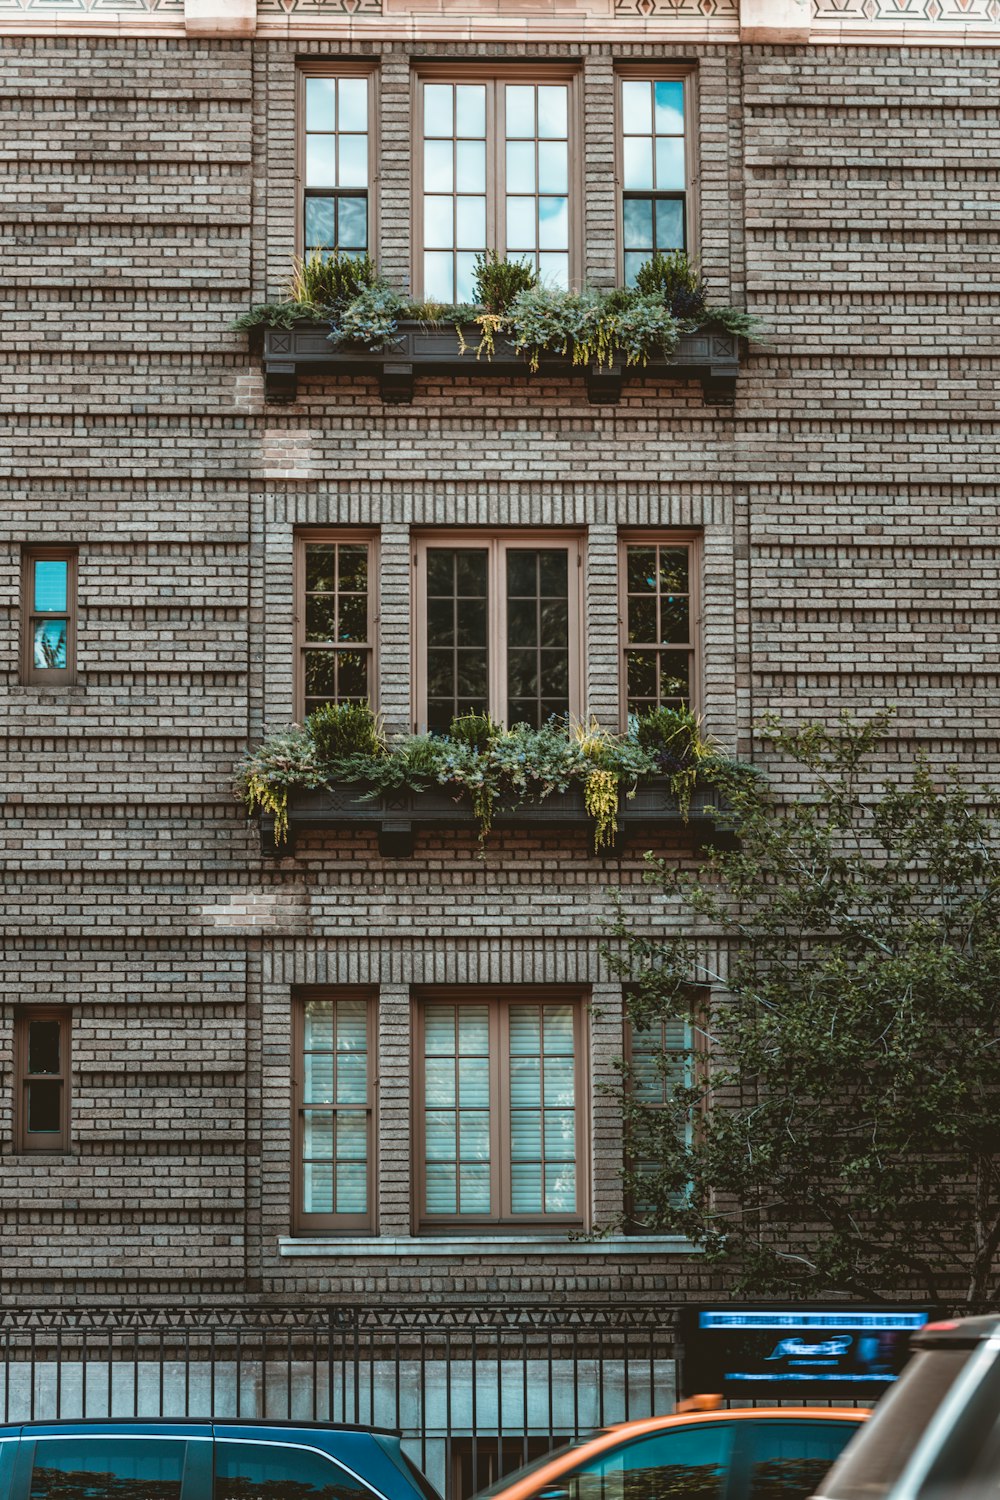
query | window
[126, 1468]
[659, 1059]
[494, 172]
[333, 1102]
[653, 169]
[500, 1110]
[335, 619]
[788, 1459]
[336, 171]
[690, 1461]
[277, 1471]
[498, 628]
[659, 615]
[48, 602]
[41, 1049]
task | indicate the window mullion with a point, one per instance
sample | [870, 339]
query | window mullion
[500, 1114]
[496, 232]
[498, 635]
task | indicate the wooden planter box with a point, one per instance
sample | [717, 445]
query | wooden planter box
[709, 356]
[395, 817]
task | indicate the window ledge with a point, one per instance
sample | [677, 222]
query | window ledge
[711, 355]
[423, 1247]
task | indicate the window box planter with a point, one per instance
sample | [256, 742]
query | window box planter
[395, 817]
[710, 356]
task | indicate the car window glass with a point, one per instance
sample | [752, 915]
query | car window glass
[278, 1471]
[687, 1463]
[107, 1468]
[788, 1459]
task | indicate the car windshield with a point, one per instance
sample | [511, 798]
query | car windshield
[535, 1465]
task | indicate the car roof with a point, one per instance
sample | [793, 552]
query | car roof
[956, 1331]
[257, 1424]
[611, 1437]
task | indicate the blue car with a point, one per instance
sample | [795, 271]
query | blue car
[184, 1460]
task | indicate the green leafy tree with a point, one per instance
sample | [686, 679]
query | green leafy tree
[837, 1125]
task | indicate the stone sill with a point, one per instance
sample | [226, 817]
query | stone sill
[422, 1247]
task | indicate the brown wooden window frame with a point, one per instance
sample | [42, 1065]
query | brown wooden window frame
[653, 73]
[499, 1003]
[47, 676]
[660, 537]
[495, 75]
[697, 1073]
[332, 1223]
[341, 68]
[48, 1141]
[497, 542]
[347, 537]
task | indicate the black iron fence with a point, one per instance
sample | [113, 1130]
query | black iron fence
[475, 1391]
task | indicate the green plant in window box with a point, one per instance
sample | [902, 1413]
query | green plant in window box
[287, 760]
[673, 739]
[370, 321]
[675, 281]
[330, 279]
[341, 731]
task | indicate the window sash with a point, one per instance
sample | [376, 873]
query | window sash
[509, 1172]
[661, 215]
[35, 618]
[641, 1051]
[667, 655]
[500, 622]
[350, 665]
[335, 1118]
[345, 146]
[29, 1083]
[555, 241]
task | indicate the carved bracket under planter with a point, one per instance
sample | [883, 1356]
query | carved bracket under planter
[396, 817]
[711, 356]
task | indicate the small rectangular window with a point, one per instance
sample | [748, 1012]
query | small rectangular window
[41, 1047]
[333, 1089]
[659, 1057]
[659, 613]
[336, 161]
[653, 168]
[335, 619]
[498, 628]
[494, 172]
[107, 1464]
[500, 1110]
[48, 612]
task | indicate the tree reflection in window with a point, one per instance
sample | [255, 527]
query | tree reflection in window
[689, 1463]
[263, 1471]
[107, 1468]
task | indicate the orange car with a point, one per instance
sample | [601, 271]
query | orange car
[762, 1453]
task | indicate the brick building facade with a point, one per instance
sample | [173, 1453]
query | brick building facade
[843, 508]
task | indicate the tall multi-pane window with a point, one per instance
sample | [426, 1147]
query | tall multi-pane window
[500, 1110]
[41, 1060]
[334, 1104]
[498, 628]
[336, 162]
[48, 603]
[653, 168]
[659, 621]
[495, 174]
[659, 1057]
[334, 619]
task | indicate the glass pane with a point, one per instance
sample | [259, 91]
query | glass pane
[553, 223]
[439, 225]
[470, 222]
[318, 1024]
[352, 569]
[276, 1471]
[521, 222]
[634, 261]
[474, 1180]
[558, 1030]
[470, 166]
[353, 161]
[321, 161]
[321, 102]
[352, 1078]
[674, 667]
[473, 1030]
[553, 107]
[520, 110]
[638, 223]
[473, 1082]
[474, 1135]
[352, 1026]
[525, 1081]
[642, 620]
[669, 108]
[43, 1046]
[317, 1187]
[441, 1187]
[470, 107]
[526, 1188]
[321, 618]
[44, 1108]
[558, 1075]
[525, 1030]
[51, 583]
[438, 109]
[318, 1078]
[352, 618]
[788, 1459]
[439, 276]
[520, 166]
[320, 563]
[641, 669]
[321, 223]
[674, 624]
[637, 113]
[465, 276]
[50, 641]
[669, 164]
[637, 153]
[525, 1135]
[439, 1082]
[690, 1461]
[669, 224]
[352, 1135]
[554, 269]
[441, 1140]
[352, 677]
[317, 1134]
[560, 1188]
[553, 167]
[352, 1188]
[126, 1468]
[352, 104]
[641, 569]
[439, 172]
[522, 622]
[560, 1134]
